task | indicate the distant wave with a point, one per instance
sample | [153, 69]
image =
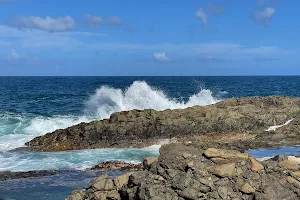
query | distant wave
[16, 129]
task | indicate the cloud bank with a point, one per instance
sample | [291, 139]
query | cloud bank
[93, 21]
[60, 24]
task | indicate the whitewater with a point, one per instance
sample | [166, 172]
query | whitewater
[17, 129]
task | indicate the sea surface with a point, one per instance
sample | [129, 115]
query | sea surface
[33, 106]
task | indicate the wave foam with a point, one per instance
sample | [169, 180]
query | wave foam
[27, 161]
[140, 96]
[16, 129]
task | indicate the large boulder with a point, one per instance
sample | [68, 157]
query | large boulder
[184, 172]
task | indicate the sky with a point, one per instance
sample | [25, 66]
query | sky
[149, 38]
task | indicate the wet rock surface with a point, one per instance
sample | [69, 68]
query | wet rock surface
[237, 123]
[185, 172]
[116, 166]
[7, 175]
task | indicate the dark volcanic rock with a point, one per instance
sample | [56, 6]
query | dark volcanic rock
[6, 175]
[183, 172]
[115, 166]
[241, 120]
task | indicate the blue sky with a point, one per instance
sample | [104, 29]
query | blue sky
[117, 37]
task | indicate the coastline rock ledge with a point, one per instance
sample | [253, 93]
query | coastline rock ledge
[238, 123]
[183, 172]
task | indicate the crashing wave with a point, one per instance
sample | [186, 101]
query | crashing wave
[139, 95]
[16, 129]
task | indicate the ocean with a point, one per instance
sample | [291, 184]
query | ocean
[33, 106]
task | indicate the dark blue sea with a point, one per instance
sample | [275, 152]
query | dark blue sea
[33, 106]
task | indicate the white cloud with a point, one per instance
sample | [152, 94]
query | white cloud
[160, 57]
[14, 55]
[93, 21]
[202, 16]
[215, 9]
[32, 41]
[96, 21]
[38, 39]
[49, 24]
[263, 17]
[210, 58]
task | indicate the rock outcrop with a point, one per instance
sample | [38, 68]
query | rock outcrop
[115, 166]
[184, 172]
[7, 175]
[237, 122]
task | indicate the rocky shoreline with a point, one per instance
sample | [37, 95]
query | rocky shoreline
[185, 172]
[240, 123]
[108, 166]
[206, 159]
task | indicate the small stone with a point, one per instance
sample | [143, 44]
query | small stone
[99, 195]
[221, 182]
[255, 165]
[294, 158]
[148, 161]
[187, 155]
[223, 192]
[190, 164]
[225, 154]
[103, 183]
[76, 195]
[279, 158]
[221, 160]
[289, 164]
[293, 181]
[239, 171]
[113, 195]
[226, 170]
[189, 193]
[214, 195]
[296, 174]
[119, 181]
[204, 189]
[207, 182]
[247, 189]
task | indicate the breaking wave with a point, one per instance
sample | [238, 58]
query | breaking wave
[139, 95]
[16, 129]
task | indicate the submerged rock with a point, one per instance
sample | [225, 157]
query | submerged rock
[237, 123]
[185, 172]
[7, 175]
